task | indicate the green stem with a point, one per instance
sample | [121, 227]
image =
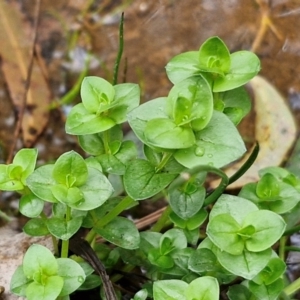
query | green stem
[4, 216]
[120, 52]
[163, 162]
[64, 249]
[123, 205]
[65, 243]
[282, 243]
[91, 236]
[244, 168]
[292, 288]
[220, 189]
[73, 93]
[159, 225]
[292, 248]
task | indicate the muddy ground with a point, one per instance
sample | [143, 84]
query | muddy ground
[155, 31]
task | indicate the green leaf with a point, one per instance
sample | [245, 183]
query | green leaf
[19, 282]
[154, 157]
[223, 275]
[223, 71]
[92, 162]
[111, 164]
[181, 259]
[96, 93]
[80, 121]
[149, 240]
[92, 143]
[39, 260]
[283, 203]
[70, 169]
[269, 228]
[116, 164]
[192, 235]
[26, 158]
[40, 183]
[96, 191]
[6, 182]
[237, 104]
[102, 107]
[244, 66]
[173, 239]
[91, 281]
[203, 260]
[121, 232]
[63, 229]
[141, 295]
[191, 223]
[31, 206]
[218, 144]
[126, 152]
[141, 180]
[203, 288]
[272, 271]
[223, 231]
[139, 117]
[127, 97]
[267, 292]
[246, 265]
[191, 101]
[47, 291]
[66, 195]
[267, 186]
[164, 133]
[169, 290]
[185, 204]
[214, 56]
[239, 292]
[183, 66]
[72, 274]
[36, 227]
[237, 207]
[196, 220]
[162, 261]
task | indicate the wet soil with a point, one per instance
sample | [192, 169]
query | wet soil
[154, 32]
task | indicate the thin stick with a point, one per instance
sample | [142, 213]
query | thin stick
[27, 84]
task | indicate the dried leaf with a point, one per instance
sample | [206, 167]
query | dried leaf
[15, 54]
[275, 131]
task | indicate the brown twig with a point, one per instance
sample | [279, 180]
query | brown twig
[149, 219]
[26, 85]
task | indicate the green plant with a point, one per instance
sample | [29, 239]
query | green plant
[204, 242]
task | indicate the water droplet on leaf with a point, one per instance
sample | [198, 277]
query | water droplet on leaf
[209, 155]
[80, 279]
[199, 151]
